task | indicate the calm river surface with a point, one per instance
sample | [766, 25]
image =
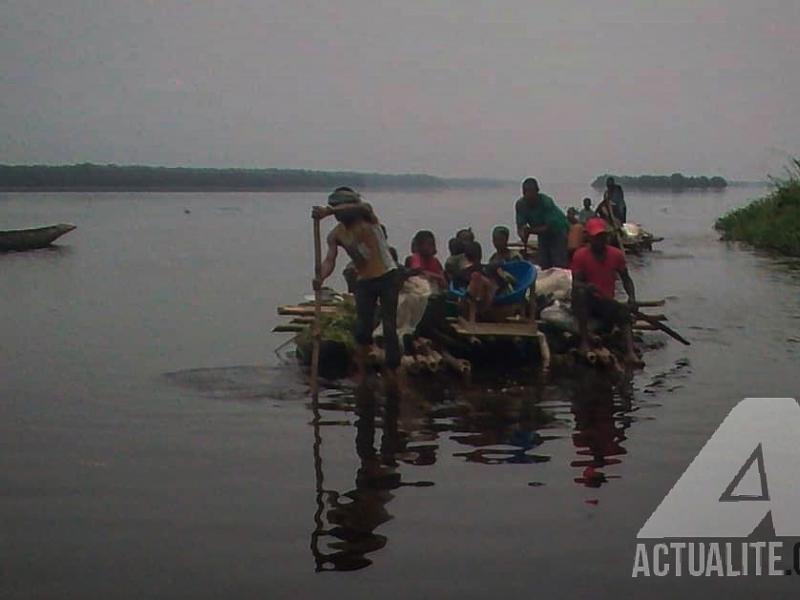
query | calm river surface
[151, 444]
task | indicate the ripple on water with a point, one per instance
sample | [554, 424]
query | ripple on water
[242, 383]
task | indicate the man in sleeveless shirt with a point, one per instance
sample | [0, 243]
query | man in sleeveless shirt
[360, 234]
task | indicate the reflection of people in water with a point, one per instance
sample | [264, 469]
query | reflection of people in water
[364, 509]
[509, 420]
[355, 515]
[600, 425]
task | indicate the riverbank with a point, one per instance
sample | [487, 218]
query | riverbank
[769, 223]
[108, 178]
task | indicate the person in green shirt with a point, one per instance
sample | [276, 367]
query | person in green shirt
[537, 213]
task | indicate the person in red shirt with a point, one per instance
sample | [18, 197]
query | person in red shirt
[423, 259]
[595, 268]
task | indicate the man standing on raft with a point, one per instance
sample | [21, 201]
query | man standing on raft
[359, 233]
[595, 268]
[537, 213]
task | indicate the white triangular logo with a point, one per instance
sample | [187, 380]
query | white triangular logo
[757, 432]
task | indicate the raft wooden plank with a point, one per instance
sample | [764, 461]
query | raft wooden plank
[304, 310]
[288, 328]
[650, 303]
[302, 321]
[519, 329]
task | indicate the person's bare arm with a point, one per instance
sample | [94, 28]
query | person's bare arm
[320, 212]
[438, 278]
[369, 214]
[329, 263]
[580, 283]
[627, 284]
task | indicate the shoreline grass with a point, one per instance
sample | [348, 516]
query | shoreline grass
[769, 223]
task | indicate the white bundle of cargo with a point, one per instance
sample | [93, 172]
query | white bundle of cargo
[555, 282]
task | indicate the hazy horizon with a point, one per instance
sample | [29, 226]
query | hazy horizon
[457, 88]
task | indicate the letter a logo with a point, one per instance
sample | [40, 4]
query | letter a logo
[749, 468]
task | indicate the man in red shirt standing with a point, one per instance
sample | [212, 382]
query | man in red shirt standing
[595, 268]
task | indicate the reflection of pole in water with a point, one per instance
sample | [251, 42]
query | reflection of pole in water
[354, 515]
[319, 478]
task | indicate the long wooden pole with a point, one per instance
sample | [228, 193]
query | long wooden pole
[316, 330]
[655, 321]
[659, 325]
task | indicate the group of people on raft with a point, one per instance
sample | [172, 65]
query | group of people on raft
[578, 241]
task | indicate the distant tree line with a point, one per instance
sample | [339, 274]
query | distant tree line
[676, 181]
[115, 177]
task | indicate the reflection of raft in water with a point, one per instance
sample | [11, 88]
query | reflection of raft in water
[438, 338]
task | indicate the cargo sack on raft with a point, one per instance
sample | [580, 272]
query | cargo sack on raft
[411, 305]
[555, 283]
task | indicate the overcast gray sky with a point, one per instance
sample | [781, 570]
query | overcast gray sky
[562, 90]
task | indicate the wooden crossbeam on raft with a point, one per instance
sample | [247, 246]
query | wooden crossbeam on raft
[305, 310]
[658, 317]
[532, 244]
[302, 321]
[478, 329]
[650, 303]
[288, 328]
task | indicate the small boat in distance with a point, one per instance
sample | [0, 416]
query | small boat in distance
[31, 239]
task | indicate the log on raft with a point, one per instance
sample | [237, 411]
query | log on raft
[305, 310]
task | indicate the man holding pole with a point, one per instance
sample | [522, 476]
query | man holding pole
[614, 201]
[360, 234]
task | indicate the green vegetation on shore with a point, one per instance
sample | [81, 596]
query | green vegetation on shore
[772, 222]
[674, 182]
[88, 176]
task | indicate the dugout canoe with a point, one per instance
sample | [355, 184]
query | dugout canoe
[31, 239]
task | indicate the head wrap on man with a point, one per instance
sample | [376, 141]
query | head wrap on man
[344, 195]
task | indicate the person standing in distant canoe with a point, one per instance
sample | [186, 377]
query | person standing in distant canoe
[615, 198]
[537, 213]
[587, 212]
[360, 234]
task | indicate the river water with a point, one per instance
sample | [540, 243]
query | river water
[152, 445]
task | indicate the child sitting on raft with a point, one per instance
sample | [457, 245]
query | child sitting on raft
[465, 235]
[500, 235]
[423, 259]
[456, 261]
[482, 281]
